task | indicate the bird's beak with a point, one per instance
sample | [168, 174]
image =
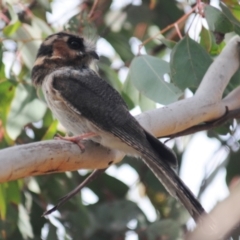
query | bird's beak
[94, 54]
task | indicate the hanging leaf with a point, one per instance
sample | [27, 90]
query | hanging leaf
[231, 17]
[25, 108]
[189, 62]
[217, 21]
[209, 43]
[147, 75]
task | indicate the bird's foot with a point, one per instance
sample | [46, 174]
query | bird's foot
[76, 139]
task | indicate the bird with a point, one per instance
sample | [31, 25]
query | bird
[90, 108]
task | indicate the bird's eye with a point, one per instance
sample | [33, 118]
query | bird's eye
[76, 44]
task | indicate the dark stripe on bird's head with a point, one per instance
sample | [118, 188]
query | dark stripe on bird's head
[45, 51]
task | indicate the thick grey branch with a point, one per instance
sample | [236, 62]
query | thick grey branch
[207, 104]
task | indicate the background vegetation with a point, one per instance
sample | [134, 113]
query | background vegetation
[193, 34]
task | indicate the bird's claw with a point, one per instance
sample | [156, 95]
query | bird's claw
[76, 139]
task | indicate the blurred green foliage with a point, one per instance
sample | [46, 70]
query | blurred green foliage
[151, 79]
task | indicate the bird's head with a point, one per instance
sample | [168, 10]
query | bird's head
[61, 50]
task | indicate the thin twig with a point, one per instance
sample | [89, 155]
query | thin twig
[167, 28]
[206, 126]
[93, 9]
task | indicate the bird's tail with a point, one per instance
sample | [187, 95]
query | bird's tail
[161, 160]
[174, 185]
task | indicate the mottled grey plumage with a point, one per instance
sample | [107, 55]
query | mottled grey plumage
[83, 102]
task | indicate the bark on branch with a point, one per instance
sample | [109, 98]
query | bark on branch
[206, 105]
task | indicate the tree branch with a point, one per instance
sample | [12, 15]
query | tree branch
[206, 105]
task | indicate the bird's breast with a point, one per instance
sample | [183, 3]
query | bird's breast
[72, 121]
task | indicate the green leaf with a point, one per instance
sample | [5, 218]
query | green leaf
[233, 6]
[29, 40]
[233, 83]
[8, 227]
[25, 108]
[55, 186]
[189, 62]
[223, 129]
[52, 233]
[78, 223]
[231, 18]
[113, 216]
[111, 185]
[51, 131]
[233, 167]
[9, 193]
[45, 4]
[209, 43]
[145, 103]
[108, 73]
[11, 28]
[35, 213]
[7, 91]
[167, 229]
[120, 43]
[12, 12]
[130, 93]
[217, 21]
[14, 191]
[2, 66]
[147, 75]
[42, 26]
[3, 203]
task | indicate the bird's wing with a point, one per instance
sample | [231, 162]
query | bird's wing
[93, 98]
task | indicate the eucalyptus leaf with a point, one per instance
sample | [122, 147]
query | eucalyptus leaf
[130, 93]
[11, 28]
[9, 225]
[233, 167]
[7, 91]
[2, 66]
[52, 233]
[209, 43]
[231, 18]
[41, 26]
[9, 193]
[45, 4]
[168, 229]
[217, 21]
[110, 75]
[147, 75]
[3, 204]
[28, 41]
[189, 62]
[24, 224]
[51, 131]
[146, 103]
[110, 184]
[12, 12]
[13, 191]
[120, 43]
[113, 216]
[25, 108]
